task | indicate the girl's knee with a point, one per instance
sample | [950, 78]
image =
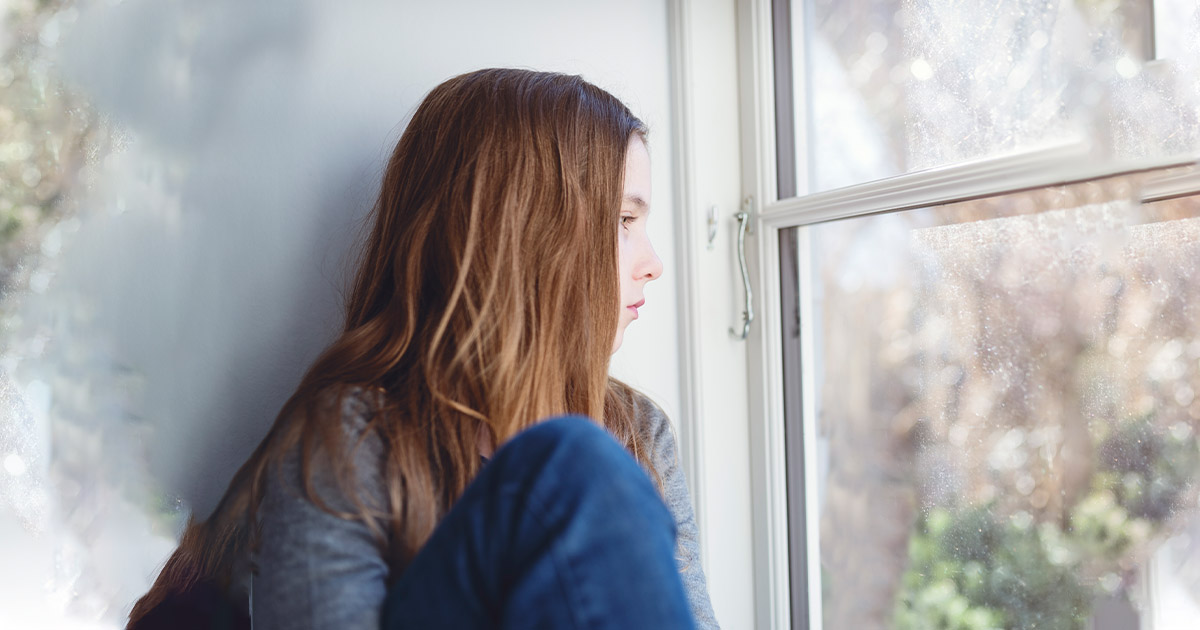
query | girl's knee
[573, 450]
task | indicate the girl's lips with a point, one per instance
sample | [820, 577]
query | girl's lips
[635, 307]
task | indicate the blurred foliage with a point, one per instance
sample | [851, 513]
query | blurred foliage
[1146, 469]
[46, 132]
[971, 569]
[1104, 529]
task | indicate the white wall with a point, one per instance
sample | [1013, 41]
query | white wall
[203, 274]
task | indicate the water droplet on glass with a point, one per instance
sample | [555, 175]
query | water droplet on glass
[14, 465]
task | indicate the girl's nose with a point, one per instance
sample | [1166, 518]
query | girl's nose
[651, 267]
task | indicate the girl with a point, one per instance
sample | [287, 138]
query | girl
[507, 256]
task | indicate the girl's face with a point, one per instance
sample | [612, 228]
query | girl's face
[638, 262]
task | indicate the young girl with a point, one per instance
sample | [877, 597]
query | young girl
[508, 254]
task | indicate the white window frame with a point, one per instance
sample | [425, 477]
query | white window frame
[1037, 168]
[713, 421]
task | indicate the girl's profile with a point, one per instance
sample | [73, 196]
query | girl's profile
[459, 456]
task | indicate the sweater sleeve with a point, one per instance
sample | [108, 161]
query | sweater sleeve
[675, 491]
[315, 569]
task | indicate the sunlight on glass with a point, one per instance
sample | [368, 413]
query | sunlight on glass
[896, 87]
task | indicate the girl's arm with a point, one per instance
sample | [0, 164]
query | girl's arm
[314, 569]
[675, 492]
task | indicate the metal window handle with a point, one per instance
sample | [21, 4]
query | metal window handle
[743, 218]
[712, 226]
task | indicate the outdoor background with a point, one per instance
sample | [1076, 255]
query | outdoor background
[1006, 388]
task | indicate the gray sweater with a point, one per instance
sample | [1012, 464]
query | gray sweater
[316, 570]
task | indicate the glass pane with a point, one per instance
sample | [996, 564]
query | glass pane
[51, 144]
[1007, 412]
[895, 87]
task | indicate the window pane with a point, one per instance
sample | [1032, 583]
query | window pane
[894, 87]
[1007, 412]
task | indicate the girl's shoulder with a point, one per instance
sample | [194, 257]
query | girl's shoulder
[652, 421]
[646, 408]
[352, 408]
[354, 405]
[334, 429]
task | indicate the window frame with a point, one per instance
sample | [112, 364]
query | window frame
[706, 69]
[787, 579]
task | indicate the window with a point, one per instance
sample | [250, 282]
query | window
[1006, 407]
[984, 326]
[895, 87]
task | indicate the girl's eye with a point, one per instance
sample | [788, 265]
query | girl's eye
[627, 219]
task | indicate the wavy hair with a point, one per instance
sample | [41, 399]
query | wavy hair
[486, 294]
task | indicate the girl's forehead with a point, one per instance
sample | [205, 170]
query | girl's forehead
[637, 176]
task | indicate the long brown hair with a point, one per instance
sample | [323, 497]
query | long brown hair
[487, 292]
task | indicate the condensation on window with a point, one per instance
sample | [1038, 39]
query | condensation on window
[1008, 413]
[896, 87]
[72, 476]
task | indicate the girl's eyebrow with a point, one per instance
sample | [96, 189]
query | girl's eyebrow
[638, 201]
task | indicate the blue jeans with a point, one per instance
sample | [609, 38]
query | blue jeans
[561, 529]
